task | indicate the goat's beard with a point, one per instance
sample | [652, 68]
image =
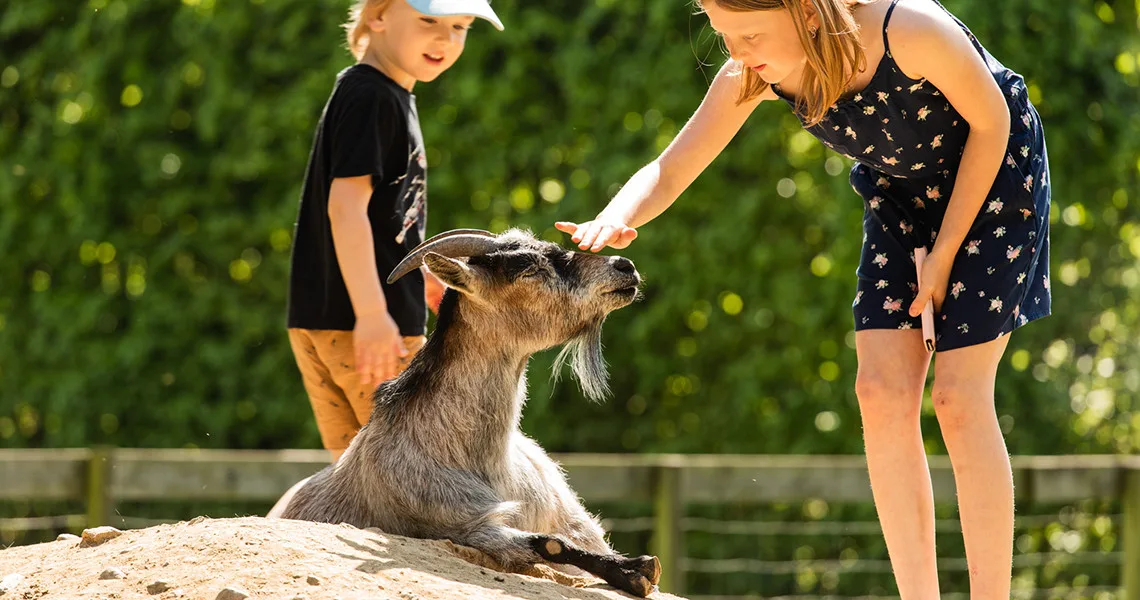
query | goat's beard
[584, 353]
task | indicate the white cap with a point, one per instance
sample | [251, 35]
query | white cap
[451, 8]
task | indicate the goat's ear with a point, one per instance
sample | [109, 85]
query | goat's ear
[453, 273]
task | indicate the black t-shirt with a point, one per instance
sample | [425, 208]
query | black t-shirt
[369, 127]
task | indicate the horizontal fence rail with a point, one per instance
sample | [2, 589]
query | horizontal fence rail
[102, 477]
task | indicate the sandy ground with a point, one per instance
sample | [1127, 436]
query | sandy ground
[254, 557]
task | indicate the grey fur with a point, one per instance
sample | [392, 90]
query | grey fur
[584, 354]
[442, 456]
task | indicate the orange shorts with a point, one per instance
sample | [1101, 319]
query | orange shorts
[341, 403]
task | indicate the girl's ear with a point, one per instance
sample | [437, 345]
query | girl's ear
[811, 15]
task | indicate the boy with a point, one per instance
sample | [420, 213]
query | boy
[364, 206]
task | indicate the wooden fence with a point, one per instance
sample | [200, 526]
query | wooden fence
[103, 477]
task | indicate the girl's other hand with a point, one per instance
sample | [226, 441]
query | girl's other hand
[599, 233]
[935, 280]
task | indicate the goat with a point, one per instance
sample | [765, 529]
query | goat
[442, 455]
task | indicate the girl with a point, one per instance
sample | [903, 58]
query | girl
[949, 156]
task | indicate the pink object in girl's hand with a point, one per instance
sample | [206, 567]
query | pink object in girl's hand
[928, 310]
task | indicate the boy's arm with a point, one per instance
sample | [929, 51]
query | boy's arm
[376, 338]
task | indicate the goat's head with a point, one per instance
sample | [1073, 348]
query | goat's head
[531, 294]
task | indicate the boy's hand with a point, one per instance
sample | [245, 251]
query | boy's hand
[433, 290]
[378, 346]
[599, 233]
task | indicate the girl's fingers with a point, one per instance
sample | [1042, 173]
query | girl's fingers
[920, 302]
[604, 233]
[574, 229]
[583, 230]
[593, 230]
[566, 227]
[627, 236]
[594, 236]
[604, 236]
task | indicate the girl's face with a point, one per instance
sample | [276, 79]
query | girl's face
[415, 46]
[765, 41]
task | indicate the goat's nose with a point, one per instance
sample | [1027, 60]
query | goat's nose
[622, 264]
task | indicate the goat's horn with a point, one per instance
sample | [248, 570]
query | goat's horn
[453, 244]
[450, 233]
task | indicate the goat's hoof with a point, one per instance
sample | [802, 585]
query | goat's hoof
[635, 583]
[649, 566]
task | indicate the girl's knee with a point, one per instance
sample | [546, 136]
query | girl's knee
[961, 403]
[882, 397]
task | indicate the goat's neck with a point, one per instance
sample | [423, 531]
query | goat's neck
[476, 396]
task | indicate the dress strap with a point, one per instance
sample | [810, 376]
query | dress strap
[887, 20]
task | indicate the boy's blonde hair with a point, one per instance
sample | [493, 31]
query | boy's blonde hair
[357, 29]
[834, 54]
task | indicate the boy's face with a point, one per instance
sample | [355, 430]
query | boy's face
[420, 46]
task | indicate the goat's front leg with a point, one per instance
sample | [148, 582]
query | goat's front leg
[516, 550]
[637, 576]
[584, 532]
[560, 512]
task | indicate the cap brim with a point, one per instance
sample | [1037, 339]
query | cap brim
[454, 8]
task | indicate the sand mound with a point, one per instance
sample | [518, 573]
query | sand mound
[254, 557]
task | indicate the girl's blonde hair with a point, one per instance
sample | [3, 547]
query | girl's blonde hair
[357, 29]
[834, 53]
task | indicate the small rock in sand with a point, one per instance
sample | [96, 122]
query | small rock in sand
[98, 535]
[112, 573]
[232, 593]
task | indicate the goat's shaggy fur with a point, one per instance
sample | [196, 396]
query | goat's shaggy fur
[442, 455]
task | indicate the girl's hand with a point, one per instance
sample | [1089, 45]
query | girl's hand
[599, 233]
[935, 279]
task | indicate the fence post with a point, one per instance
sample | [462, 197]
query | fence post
[100, 505]
[1130, 564]
[668, 541]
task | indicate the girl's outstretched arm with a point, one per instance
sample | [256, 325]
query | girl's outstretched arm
[656, 185]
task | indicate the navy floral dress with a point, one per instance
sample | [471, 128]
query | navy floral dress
[907, 141]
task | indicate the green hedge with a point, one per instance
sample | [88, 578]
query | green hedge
[153, 154]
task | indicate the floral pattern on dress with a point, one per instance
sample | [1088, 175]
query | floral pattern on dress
[909, 141]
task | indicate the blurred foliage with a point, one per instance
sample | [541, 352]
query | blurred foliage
[152, 160]
[151, 157]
